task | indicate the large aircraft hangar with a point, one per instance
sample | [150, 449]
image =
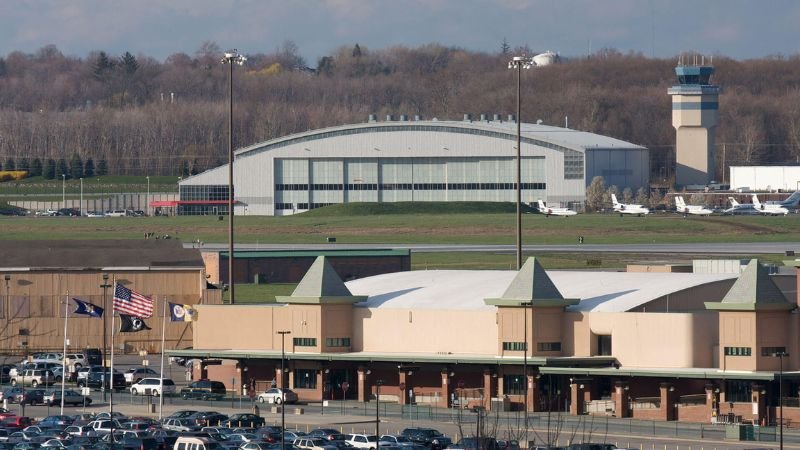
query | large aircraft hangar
[415, 160]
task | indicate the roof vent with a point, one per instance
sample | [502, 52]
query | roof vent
[539, 121]
[417, 117]
[496, 118]
[389, 118]
[512, 118]
[467, 117]
[372, 118]
[403, 118]
[483, 118]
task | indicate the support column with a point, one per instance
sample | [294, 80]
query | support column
[278, 377]
[320, 391]
[576, 398]
[668, 399]
[403, 388]
[621, 401]
[712, 403]
[761, 401]
[532, 392]
[444, 398]
[487, 389]
[362, 384]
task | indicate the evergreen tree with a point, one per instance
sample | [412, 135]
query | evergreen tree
[10, 165]
[76, 167]
[24, 165]
[62, 168]
[102, 167]
[129, 64]
[88, 168]
[36, 168]
[50, 169]
[357, 51]
[102, 66]
[325, 66]
[185, 168]
[195, 168]
[504, 47]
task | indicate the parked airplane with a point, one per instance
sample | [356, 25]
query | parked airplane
[771, 210]
[739, 208]
[548, 211]
[697, 210]
[623, 208]
[790, 203]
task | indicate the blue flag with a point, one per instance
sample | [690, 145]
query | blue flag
[87, 309]
[181, 313]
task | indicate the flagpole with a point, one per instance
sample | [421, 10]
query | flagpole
[64, 359]
[111, 373]
[161, 382]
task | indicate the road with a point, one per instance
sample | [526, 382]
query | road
[753, 248]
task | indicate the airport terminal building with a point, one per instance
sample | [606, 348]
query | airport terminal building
[415, 160]
[698, 347]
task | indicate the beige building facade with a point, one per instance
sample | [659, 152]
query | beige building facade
[597, 342]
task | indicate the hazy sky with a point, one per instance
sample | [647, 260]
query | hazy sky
[737, 28]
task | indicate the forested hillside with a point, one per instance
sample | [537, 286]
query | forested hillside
[144, 116]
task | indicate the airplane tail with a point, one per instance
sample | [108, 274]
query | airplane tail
[733, 201]
[679, 203]
[793, 201]
[541, 206]
[614, 200]
[756, 203]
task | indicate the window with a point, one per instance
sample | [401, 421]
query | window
[304, 342]
[738, 391]
[514, 346]
[337, 342]
[514, 384]
[603, 345]
[305, 379]
[772, 351]
[738, 351]
[548, 347]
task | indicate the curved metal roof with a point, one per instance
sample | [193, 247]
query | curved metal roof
[467, 289]
[536, 134]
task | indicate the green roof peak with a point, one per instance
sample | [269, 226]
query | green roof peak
[532, 285]
[753, 290]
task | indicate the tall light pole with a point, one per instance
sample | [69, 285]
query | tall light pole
[105, 287]
[519, 63]
[147, 201]
[283, 388]
[7, 277]
[781, 354]
[63, 190]
[378, 384]
[80, 207]
[525, 361]
[231, 58]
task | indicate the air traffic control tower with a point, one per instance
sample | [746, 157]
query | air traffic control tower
[694, 115]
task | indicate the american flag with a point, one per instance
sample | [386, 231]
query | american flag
[128, 301]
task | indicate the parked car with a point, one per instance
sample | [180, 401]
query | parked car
[398, 441]
[311, 443]
[71, 397]
[95, 380]
[135, 374]
[153, 386]
[93, 356]
[31, 397]
[55, 421]
[204, 390]
[245, 420]
[278, 396]
[368, 441]
[75, 361]
[11, 394]
[326, 433]
[427, 437]
[180, 425]
[33, 378]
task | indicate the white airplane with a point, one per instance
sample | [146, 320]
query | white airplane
[770, 210]
[548, 211]
[623, 208]
[697, 210]
[739, 208]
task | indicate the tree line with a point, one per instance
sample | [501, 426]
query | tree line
[147, 117]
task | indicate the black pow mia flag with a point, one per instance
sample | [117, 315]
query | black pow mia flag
[131, 324]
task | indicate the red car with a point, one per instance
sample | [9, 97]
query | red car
[4, 413]
[16, 422]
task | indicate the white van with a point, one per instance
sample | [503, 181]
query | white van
[116, 213]
[196, 443]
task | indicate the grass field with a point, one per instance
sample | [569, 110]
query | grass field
[40, 186]
[453, 228]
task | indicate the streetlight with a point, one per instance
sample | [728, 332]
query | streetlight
[80, 206]
[105, 286]
[378, 384]
[525, 361]
[231, 58]
[781, 354]
[7, 277]
[147, 203]
[283, 388]
[519, 63]
[63, 190]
